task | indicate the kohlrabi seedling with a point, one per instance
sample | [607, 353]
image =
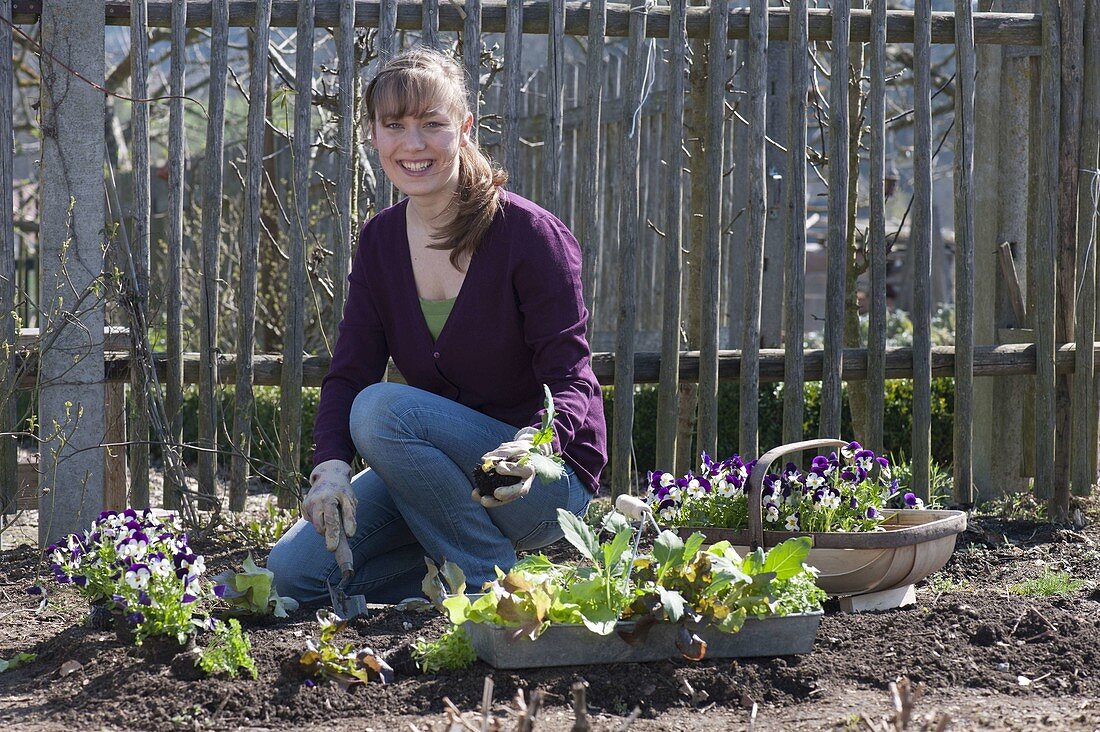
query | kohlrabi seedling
[547, 466]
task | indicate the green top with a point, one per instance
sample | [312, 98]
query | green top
[435, 314]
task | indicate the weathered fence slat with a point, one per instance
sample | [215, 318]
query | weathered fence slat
[211, 226]
[876, 243]
[244, 406]
[9, 484]
[711, 246]
[993, 28]
[668, 390]
[471, 56]
[139, 301]
[387, 49]
[837, 242]
[429, 28]
[754, 227]
[795, 252]
[588, 202]
[290, 413]
[1088, 192]
[622, 443]
[555, 88]
[346, 163]
[1069, 149]
[920, 242]
[964, 253]
[1045, 251]
[513, 78]
[173, 378]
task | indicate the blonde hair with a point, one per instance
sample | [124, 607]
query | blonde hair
[414, 83]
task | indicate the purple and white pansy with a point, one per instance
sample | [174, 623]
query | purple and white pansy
[847, 490]
[140, 565]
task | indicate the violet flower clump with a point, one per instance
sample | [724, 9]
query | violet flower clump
[846, 491]
[138, 565]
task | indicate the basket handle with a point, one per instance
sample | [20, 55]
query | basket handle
[756, 481]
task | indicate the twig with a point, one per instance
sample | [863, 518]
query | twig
[486, 703]
[580, 708]
[630, 720]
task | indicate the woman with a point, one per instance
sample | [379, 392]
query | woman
[475, 293]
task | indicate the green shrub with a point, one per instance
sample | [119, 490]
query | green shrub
[897, 421]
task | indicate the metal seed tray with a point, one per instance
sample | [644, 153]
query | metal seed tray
[575, 645]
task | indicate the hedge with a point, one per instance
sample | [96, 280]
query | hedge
[897, 438]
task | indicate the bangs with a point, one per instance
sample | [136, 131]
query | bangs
[405, 92]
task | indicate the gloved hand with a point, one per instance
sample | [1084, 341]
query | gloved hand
[524, 475]
[329, 496]
[506, 461]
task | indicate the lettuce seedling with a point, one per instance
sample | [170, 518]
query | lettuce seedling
[228, 652]
[19, 659]
[343, 664]
[452, 651]
[252, 591]
[547, 466]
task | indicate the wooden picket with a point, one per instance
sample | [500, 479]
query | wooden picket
[211, 252]
[244, 406]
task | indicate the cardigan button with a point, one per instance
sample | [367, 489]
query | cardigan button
[436, 354]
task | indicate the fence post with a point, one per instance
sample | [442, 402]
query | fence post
[71, 251]
[9, 483]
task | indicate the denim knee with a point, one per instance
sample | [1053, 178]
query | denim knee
[374, 411]
[293, 577]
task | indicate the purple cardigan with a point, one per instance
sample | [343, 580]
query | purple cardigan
[518, 322]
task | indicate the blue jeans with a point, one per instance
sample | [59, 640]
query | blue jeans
[414, 502]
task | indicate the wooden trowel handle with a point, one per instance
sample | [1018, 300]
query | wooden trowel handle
[343, 556]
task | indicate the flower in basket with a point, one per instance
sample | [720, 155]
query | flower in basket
[849, 490]
[142, 568]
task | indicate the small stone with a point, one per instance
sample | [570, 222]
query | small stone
[69, 667]
[1002, 666]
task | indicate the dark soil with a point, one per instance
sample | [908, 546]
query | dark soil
[488, 482]
[988, 658]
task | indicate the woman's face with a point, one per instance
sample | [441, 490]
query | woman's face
[420, 154]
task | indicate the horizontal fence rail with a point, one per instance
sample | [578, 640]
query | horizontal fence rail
[1012, 359]
[1024, 29]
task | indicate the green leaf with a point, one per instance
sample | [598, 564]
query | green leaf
[19, 659]
[668, 549]
[546, 468]
[753, 562]
[693, 544]
[600, 620]
[786, 559]
[613, 552]
[615, 522]
[549, 414]
[733, 622]
[457, 607]
[579, 535]
[673, 603]
[454, 577]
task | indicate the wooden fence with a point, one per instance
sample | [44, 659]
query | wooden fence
[693, 117]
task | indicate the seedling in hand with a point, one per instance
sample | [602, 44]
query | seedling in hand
[547, 466]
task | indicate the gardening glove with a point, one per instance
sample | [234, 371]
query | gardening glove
[506, 461]
[524, 475]
[330, 503]
[517, 447]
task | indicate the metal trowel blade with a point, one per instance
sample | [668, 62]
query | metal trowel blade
[346, 606]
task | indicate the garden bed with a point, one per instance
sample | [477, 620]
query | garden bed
[992, 659]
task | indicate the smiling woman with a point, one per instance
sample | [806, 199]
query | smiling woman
[475, 294]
